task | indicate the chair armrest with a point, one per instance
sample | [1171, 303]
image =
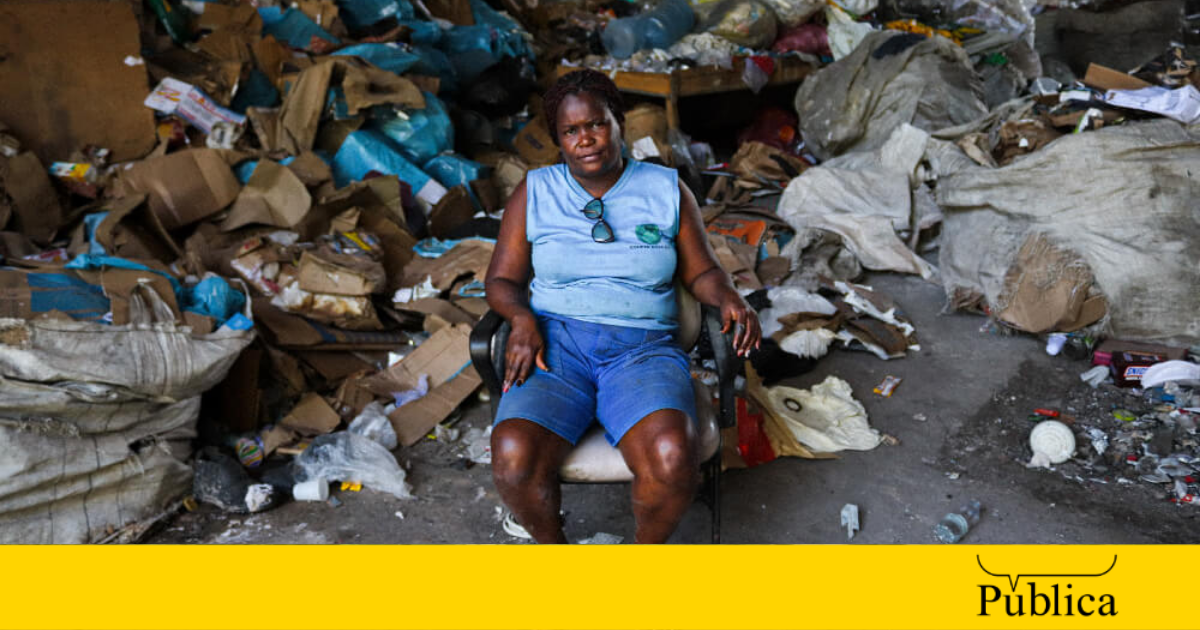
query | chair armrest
[482, 344]
[728, 365]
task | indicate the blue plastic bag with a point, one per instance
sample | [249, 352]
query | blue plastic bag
[363, 13]
[213, 297]
[435, 63]
[367, 150]
[292, 27]
[424, 32]
[390, 57]
[90, 223]
[256, 91]
[452, 170]
[423, 134]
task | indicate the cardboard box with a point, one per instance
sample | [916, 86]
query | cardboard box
[1104, 78]
[311, 416]
[324, 271]
[27, 196]
[274, 195]
[470, 257]
[183, 187]
[132, 231]
[66, 82]
[534, 144]
[446, 359]
[26, 294]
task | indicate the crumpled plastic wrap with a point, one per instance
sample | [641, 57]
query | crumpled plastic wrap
[346, 456]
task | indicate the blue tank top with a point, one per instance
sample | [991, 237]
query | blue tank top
[628, 282]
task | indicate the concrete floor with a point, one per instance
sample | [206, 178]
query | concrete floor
[973, 387]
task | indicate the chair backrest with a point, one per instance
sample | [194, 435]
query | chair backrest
[690, 317]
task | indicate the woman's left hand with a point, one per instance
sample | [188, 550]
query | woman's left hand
[737, 315]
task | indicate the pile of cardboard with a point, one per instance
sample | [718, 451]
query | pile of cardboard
[302, 156]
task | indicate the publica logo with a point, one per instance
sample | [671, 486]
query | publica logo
[1062, 596]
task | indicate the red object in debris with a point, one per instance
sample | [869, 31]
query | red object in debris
[1189, 479]
[1131, 458]
[753, 445]
[1047, 413]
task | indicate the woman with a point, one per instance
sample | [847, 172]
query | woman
[605, 239]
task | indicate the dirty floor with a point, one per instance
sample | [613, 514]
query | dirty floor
[960, 416]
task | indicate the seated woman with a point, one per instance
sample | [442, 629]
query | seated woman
[605, 239]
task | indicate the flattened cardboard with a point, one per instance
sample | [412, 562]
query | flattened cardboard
[366, 86]
[270, 56]
[30, 198]
[451, 212]
[311, 169]
[334, 366]
[1046, 287]
[1104, 78]
[238, 18]
[321, 12]
[183, 187]
[468, 257]
[273, 196]
[65, 80]
[311, 416]
[120, 284]
[327, 272]
[290, 331]
[131, 231]
[446, 359]
[300, 114]
[351, 398]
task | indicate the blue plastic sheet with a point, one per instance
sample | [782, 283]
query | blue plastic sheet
[88, 261]
[452, 170]
[292, 27]
[423, 134]
[363, 13]
[367, 150]
[390, 57]
[68, 294]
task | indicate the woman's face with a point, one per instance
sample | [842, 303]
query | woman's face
[589, 136]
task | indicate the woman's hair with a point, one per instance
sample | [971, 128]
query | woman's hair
[585, 81]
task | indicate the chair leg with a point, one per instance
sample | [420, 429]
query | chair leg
[714, 500]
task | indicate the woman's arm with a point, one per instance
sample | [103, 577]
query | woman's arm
[507, 292]
[705, 279]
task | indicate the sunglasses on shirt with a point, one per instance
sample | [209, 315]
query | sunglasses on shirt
[601, 232]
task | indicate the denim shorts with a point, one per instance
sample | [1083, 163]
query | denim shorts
[614, 375]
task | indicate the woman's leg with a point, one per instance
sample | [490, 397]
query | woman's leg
[525, 462]
[661, 451]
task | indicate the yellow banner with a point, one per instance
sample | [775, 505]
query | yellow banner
[598, 587]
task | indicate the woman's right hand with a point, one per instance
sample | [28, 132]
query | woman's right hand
[525, 349]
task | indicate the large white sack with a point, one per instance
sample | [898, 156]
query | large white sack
[865, 197]
[855, 103]
[1123, 198]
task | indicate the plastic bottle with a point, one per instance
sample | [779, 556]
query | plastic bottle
[658, 27]
[955, 525]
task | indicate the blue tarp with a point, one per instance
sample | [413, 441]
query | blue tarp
[363, 13]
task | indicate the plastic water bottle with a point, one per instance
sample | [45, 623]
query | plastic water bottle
[667, 22]
[656, 28]
[955, 525]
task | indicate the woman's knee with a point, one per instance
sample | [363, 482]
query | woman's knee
[670, 459]
[518, 456]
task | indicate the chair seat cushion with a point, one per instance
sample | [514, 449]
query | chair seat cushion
[594, 460]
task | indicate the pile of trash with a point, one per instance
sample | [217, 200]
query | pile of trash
[267, 225]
